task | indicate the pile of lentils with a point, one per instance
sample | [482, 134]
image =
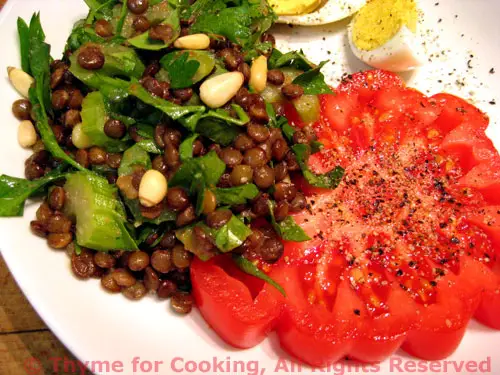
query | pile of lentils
[261, 155]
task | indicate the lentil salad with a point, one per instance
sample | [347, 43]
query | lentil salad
[160, 136]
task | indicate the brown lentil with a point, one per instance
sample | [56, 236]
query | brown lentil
[59, 223]
[244, 68]
[168, 240]
[275, 77]
[183, 94]
[135, 292]
[180, 257]
[158, 164]
[263, 177]
[243, 142]
[151, 279]
[97, 155]
[57, 77]
[257, 132]
[280, 171]
[258, 113]
[272, 250]
[186, 217]
[109, 283]
[57, 198]
[291, 161]
[72, 117]
[177, 198]
[161, 260]
[138, 260]
[232, 59]
[161, 32]
[166, 289]
[44, 212]
[209, 202]
[231, 157]
[82, 158]
[21, 109]
[137, 6]
[123, 277]
[83, 265]
[172, 137]
[141, 24]
[115, 129]
[279, 149]
[104, 260]
[255, 157]
[91, 58]
[114, 160]
[103, 28]
[60, 99]
[260, 206]
[219, 218]
[284, 191]
[181, 302]
[292, 91]
[38, 228]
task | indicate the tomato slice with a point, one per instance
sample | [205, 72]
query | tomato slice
[403, 253]
[224, 297]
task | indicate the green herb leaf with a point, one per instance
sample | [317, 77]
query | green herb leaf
[313, 81]
[172, 110]
[293, 59]
[217, 130]
[328, 180]
[180, 70]
[24, 42]
[251, 269]
[288, 228]
[186, 147]
[210, 167]
[150, 146]
[133, 157]
[236, 195]
[231, 235]
[15, 191]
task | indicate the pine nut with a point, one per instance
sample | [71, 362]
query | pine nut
[195, 41]
[217, 91]
[79, 138]
[258, 74]
[153, 188]
[21, 80]
[26, 134]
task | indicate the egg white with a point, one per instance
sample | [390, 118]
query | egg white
[403, 52]
[331, 11]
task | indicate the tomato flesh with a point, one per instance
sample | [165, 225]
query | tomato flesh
[404, 252]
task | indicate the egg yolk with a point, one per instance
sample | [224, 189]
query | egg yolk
[294, 7]
[379, 20]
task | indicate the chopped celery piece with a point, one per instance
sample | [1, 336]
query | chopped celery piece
[94, 117]
[100, 220]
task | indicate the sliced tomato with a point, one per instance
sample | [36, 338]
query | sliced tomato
[225, 298]
[485, 177]
[403, 253]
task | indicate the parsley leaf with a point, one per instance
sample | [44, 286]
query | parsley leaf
[313, 81]
[251, 269]
[328, 180]
[288, 228]
[180, 70]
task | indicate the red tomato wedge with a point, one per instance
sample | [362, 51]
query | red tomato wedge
[403, 253]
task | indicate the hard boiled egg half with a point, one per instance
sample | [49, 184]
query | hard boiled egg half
[383, 34]
[314, 12]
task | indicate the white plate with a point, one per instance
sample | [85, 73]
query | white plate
[96, 326]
